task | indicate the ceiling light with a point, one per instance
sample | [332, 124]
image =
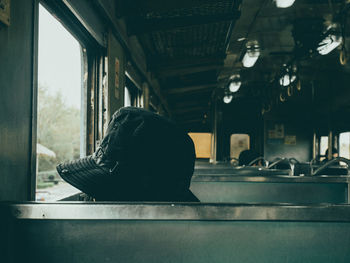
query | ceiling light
[288, 75]
[287, 79]
[227, 98]
[328, 44]
[252, 54]
[235, 83]
[284, 3]
[234, 86]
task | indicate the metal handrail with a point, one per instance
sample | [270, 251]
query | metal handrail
[293, 160]
[266, 163]
[279, 161]
[324, 166]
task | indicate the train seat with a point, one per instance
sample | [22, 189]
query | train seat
[270, 189]
[241, 171]
[173, 232]
[305, 169]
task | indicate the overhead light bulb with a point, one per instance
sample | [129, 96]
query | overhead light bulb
[234, 86]
[227, 98]
[284, 3]
[328, 44]
[288, 75]
[235, 83]
[287, 79]
[251, 56]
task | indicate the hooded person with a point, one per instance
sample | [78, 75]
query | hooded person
[247, 156]
[142, 157]
[335, 154]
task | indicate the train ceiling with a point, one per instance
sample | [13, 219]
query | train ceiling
[193, 47]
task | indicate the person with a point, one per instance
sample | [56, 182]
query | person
[335, 154]
[335, 167]
[142, 157]
[246, 157]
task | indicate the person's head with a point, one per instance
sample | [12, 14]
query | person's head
[335, 153]
[247, 156]
[143, 157]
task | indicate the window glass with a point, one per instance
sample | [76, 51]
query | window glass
[239, 143]
[127, 97]
[202, 144]
[59, 106]
[323, 146]
[344, 145]
[132, 94]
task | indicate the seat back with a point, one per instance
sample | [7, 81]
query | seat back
[110, 232]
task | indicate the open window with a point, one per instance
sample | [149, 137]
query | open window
[344, 145]
[132, 94]
[61, 115]
[323, 147]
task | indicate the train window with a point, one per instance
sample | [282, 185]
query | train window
[132, 94]
[127, 97]
[323, 146]
[239, 143]
[60, 125]
[139, 99]
[202, 144]
[344, 145]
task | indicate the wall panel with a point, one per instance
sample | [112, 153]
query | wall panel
[16, 89]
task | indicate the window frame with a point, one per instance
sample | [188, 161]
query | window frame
[93, 72]
[134, 92]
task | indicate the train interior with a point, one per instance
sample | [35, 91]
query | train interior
[261, 87]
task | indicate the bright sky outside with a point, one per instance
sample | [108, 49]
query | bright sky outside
[344, 140]
[59, 59]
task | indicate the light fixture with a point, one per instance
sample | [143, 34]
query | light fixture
[331, 40]
[227, 98]
[288, 75]
[284, 3]
[235, 83]
[328, 44]
[251, 55]
[287, 79]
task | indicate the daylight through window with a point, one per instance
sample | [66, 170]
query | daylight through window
[59, 106]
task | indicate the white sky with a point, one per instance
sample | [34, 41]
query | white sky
[59, 59]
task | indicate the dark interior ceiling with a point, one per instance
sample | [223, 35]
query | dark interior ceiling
[194, 46]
